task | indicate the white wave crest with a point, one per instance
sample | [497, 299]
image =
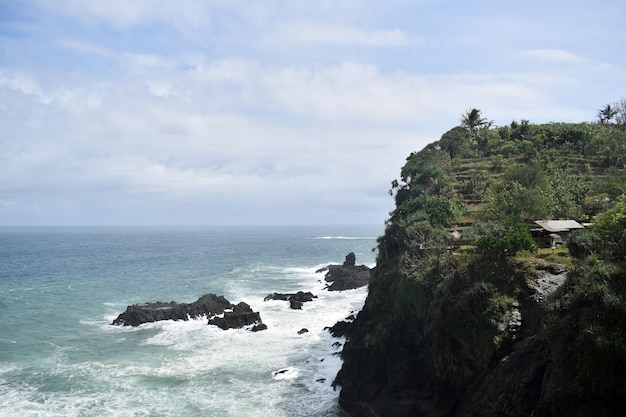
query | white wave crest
[342, 238]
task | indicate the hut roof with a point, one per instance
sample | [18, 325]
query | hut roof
[555, 226]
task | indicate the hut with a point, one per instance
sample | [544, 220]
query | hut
[553, 232]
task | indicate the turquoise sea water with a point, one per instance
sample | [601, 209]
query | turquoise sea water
[60, 288]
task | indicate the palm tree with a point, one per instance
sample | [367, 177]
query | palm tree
[471, 120]
[607, 113]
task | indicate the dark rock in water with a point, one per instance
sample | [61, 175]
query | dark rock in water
[241, 316]
[350, 260]
[258, 327]
[285, 373]
[207, 305]
[210, 305]
[295, 300]
[347, 276]
[303, 331]
[277, 296]
[339, 329]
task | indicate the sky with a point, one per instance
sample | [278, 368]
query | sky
[269, 112]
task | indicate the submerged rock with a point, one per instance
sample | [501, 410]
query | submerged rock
[295, 300]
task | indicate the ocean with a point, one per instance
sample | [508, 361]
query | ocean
[61, 287]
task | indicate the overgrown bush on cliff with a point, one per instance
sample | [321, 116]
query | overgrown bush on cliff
[586, 328]
[586, 325]
[611, 226]
[606, 237]
[512, 239]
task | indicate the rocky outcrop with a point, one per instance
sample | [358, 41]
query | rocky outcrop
[414, 369]
[207, 305]
[342, 327]
[350, 260]
[347, 276]
[240, 316]
[219, 310]
[295, 299]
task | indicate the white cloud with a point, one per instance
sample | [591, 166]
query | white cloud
[125, 14]
[552, 55]
[22, 82]
[227, 70]
[302, 33]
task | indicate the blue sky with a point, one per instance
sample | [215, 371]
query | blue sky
[271, 112]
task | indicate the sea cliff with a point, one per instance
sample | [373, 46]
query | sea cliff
[455, 350]
[466, 314]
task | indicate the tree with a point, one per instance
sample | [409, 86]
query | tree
[611, 226]
[566, 195]
[521, 196]
[615, 113]
[455, 142]
[507, 241]
[606, 114]
[583, 242]
[471, 120]
[526, 175]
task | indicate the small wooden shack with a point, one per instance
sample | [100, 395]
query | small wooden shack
[553, 232]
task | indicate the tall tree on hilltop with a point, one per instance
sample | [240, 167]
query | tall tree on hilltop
[606, 114]
[615, 113]
[471, 120]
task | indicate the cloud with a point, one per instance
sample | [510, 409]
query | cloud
[23, 83]
[552, 55]
[125, 14]
[303, 33]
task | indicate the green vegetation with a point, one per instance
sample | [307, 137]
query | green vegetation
[489, 183]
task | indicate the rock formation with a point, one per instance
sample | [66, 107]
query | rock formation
[418, 371]
[295, 299]
[240, 316]
[209, 305]
[347, 276]
[350, 260]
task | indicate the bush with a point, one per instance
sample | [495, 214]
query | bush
[515, 239]
[582, 242]
[586, 329]
[611, 227]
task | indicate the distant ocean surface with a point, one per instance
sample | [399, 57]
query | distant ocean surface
[60, 288]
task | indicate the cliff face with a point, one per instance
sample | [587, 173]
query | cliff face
[461, 356]
[457, 322]
[440, 336]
